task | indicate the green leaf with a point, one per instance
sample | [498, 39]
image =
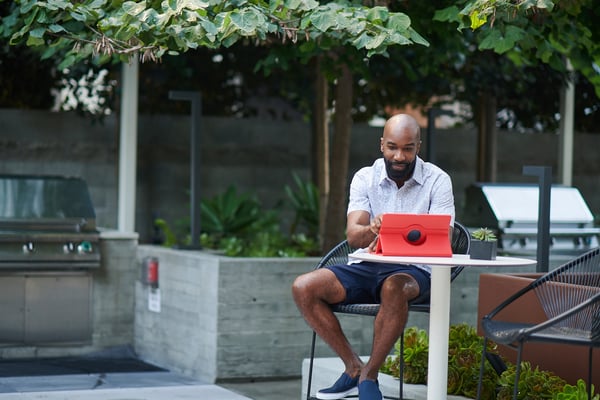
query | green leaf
[378, 14]
[133, 8]
[547, 4]
[34, 41]
[477, 19]
[37, 33]
[493, 40]
[324, 21]
[399, 22]
[246, 20]
[55, 28]
[58, 5]
[450, 14]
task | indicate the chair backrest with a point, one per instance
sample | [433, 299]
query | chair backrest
[461, 244]
[461, 239]
[569, 286]
[337, 255]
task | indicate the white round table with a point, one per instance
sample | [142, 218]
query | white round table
[439, 313]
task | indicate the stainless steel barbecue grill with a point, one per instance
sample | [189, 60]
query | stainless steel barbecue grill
[49, 248]
[47, 222]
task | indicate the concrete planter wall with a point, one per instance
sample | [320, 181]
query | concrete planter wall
[224, 318]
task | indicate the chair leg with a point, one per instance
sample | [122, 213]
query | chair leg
[481, 369]
[310, 368]
[518, 372]
[589, 382]
[401, 377]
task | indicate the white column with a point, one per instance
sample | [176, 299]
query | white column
[128, 146]
[567, 107]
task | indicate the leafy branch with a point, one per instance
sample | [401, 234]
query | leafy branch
[95, 28]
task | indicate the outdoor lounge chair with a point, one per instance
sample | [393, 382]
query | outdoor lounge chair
[570, 298]
[461, 240]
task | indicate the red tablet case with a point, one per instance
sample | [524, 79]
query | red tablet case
[420, 235]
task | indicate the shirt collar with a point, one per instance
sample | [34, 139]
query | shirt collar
[417, 175]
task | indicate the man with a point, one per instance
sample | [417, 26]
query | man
[399, 182]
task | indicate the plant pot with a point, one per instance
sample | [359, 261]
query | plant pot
[483, 250]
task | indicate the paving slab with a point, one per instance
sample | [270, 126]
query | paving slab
[188, 392]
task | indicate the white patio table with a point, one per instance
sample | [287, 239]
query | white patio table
[439, 314]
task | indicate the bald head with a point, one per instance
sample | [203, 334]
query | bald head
[402, 124]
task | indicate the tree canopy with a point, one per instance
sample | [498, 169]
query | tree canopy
[496, 40]
[105, 28]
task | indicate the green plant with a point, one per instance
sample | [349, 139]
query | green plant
[170, 239]
[534, 384]
[229, 213]
[237, 225]
[305, 202]
[484, 234]
[464, 362]
[577, 392]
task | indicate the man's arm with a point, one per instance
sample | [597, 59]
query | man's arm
[361, 231]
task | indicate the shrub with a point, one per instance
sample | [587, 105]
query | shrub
[236, 224]
[464, 361]
[533, 383]
[577, 392]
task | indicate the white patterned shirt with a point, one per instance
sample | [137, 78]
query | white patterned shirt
[428, 191]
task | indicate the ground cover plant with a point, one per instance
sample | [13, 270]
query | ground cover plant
[464, 361]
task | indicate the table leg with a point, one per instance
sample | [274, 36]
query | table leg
[439, 323]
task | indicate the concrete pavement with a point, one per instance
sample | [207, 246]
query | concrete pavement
[112, 386]
[141, 386]
[124, 379]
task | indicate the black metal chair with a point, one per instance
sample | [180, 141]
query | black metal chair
[461, 240]
[570, 298]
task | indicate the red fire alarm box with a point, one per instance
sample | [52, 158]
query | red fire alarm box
[150, 271]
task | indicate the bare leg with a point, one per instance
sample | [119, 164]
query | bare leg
[313, 293]
[396, 291]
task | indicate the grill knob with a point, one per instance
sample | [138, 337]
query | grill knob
[84, 247]
[28, 248]
[68, 248]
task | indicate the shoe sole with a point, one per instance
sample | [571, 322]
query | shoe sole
[335, 396]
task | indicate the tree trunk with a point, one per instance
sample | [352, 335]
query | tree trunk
[335, 215]
[321, 145]
[487, 154]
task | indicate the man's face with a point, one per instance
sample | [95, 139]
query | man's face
[400, 154]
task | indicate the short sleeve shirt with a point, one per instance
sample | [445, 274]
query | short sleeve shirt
[428, 191]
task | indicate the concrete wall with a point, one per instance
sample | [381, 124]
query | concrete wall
[256, 155]
[224, 318]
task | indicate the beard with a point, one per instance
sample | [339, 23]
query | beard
[399, 175]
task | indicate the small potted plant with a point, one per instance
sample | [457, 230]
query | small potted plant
[484, 244]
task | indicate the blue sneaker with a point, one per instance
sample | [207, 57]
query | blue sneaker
[343, 387]
[369, 390]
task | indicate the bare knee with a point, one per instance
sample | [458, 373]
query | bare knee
[300, 287]
[402, 287]
[318, 285]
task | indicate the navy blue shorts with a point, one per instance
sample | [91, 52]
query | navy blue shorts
[363, 280]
